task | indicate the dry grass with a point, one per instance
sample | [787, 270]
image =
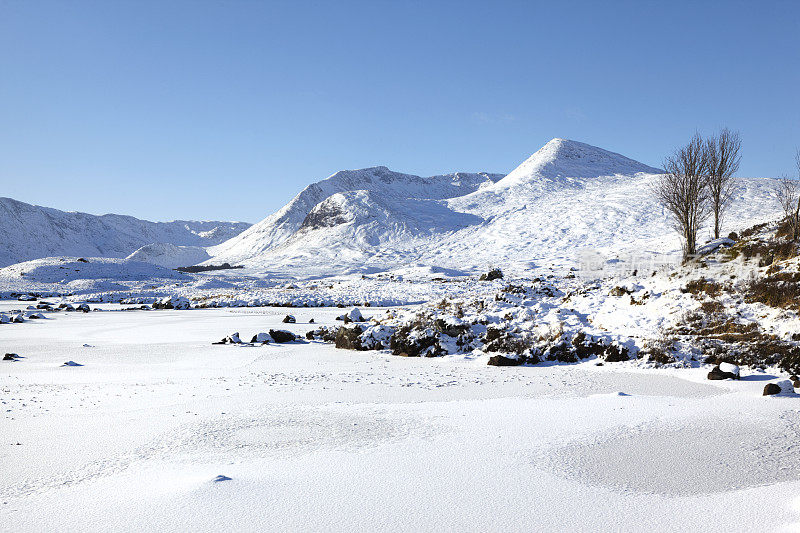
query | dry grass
[703, 286]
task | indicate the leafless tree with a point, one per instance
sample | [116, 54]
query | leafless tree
[722, 157]
[683, 191]
[788, 192]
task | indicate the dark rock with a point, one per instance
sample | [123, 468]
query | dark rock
[10, 357]
[492, 275]
[289, 319]
[717, 374]
[84, 307]
[281, 335]
[311, 321]
[347, 338]
[501, 360]
[403, 343]
[771, 389]
[82, 260]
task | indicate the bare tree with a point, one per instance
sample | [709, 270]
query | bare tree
[788, 192]
[683, 191]
[722, 157]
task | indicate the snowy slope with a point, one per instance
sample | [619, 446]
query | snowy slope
[566, 197]
[251, 245]
[169, 255]
[30, 232]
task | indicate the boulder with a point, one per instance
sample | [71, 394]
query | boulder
[730, 368]
[261, 338]
[289, 319]
[172, 302]
[717, 373]
[311, 321]
[347, 338]
[35, 315]
[492, 275]
[771, 389]
[281, 335]
[501, 360]
[233, 338]
[84, 307]
[18, 318]
[10, 357]
[355, 315]
[4, 319]
[71, 363]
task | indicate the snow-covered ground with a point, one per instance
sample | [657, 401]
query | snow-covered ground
[315, 438]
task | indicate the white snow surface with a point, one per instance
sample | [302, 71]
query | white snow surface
[315, 438]
[565, 198]
[169, 255]
[32, 232]
[63, 270]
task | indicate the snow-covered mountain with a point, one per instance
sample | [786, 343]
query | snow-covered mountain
[566, 197]
[30, 232]
[379, 205]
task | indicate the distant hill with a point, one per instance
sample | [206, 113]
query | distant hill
[31, 232]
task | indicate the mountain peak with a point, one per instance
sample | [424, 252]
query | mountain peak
[565, 158]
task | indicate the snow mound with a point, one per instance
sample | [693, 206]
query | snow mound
[68, 269]
[169, 255]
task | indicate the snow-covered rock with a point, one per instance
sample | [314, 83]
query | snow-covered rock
[172, 302]
[355, 315]
[730, 368]
[261, 338]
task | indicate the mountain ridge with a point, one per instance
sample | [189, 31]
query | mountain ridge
[29, 231]
[566, 196]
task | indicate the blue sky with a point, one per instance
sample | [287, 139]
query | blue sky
[225, 110]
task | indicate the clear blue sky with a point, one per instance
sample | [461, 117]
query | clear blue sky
[225, 110]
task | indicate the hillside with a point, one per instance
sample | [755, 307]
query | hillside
[393, 188]
[30, 232]
[565, 198]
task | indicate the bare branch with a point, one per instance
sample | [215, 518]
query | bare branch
[722, 154]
